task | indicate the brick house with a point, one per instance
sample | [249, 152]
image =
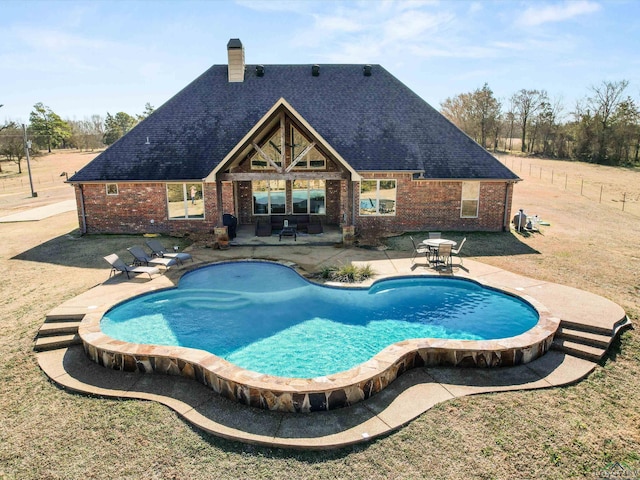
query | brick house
[340, 144]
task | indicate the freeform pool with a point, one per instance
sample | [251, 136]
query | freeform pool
[266, 318]
[304, 394]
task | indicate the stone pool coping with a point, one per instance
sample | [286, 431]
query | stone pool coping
[324, 393]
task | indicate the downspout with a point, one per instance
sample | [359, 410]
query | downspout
[83, 230]
[505, 219]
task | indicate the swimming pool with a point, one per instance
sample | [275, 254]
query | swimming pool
[266, 318]
[302, 394]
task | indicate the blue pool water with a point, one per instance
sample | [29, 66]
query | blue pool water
[266, 318]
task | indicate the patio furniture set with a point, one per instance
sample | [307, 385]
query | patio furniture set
[288, 225]
[147, 263]
[438, 251]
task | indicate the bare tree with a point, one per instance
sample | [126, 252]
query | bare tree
[604, 102]
[526, 103]
[477, 113]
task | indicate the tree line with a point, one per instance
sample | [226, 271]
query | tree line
[47, 130]
[603, 127]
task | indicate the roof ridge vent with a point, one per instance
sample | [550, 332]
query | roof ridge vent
[367, 70]
[260, 70]
[315, 70]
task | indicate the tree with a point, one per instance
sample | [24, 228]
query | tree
[48, 127]
[604, 102]
[625, 132]
[526, 103]
[87, 134]
[115, 126]
[476, 113]
[486, 111]
[148, 110]
[545, 127]
[12, 145]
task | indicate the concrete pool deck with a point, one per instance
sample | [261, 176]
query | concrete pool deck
[410, 395]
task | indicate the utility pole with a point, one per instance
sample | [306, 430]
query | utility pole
[27, 146]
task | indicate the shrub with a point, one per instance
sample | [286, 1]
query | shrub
[348, 273]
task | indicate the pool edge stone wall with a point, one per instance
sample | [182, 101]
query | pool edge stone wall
[325, 393]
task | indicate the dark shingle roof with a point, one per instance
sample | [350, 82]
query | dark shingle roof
[374, 122]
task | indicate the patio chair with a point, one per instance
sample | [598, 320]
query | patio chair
[159, 251]
[435, 234]
[142, 258]
[456, 251]
[117, 265]
[444, 255]
[419, 249]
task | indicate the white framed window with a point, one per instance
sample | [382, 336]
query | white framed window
[470, 200]
[273, 149]
[185, 201]
[269, 197]
[313, 159]
[309, 196]
[378, 197]
[112, 189]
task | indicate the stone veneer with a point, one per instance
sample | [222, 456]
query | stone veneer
[322, 393]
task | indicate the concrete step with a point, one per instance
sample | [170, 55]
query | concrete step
[58, 341]
[580, 350]
[66, 317]
[49, 329]
[586, 338]
[586, 328]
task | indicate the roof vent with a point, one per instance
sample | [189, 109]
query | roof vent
[315, 70]
[235, 53]
[260, 70]
[367, 70]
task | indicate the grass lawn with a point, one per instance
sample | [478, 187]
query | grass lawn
[569, 432]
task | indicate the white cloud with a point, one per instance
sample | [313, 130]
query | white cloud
[567, 10]
[337, 24]
[413, 25]
[475, 7]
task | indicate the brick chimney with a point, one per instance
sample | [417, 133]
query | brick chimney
[235, 52]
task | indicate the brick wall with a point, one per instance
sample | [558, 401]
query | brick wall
[421, 205]
[138, 208]
[435, 205]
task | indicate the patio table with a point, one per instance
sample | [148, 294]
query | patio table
[434, 245]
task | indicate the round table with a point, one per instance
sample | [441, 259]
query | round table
[434, 245]
[436, 242]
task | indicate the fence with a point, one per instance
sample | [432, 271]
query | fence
[20, 184]
[618, 197]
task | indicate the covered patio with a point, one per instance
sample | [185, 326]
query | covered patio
[246, 236]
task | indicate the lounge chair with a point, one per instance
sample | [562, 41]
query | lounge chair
[159, 251]
[456, 252]
[118, 265]
[419, 249]
[142, 258]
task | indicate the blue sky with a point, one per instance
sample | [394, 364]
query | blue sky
[91, 57]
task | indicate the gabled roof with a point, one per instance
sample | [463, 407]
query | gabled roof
[375, 123]
[282, 105]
